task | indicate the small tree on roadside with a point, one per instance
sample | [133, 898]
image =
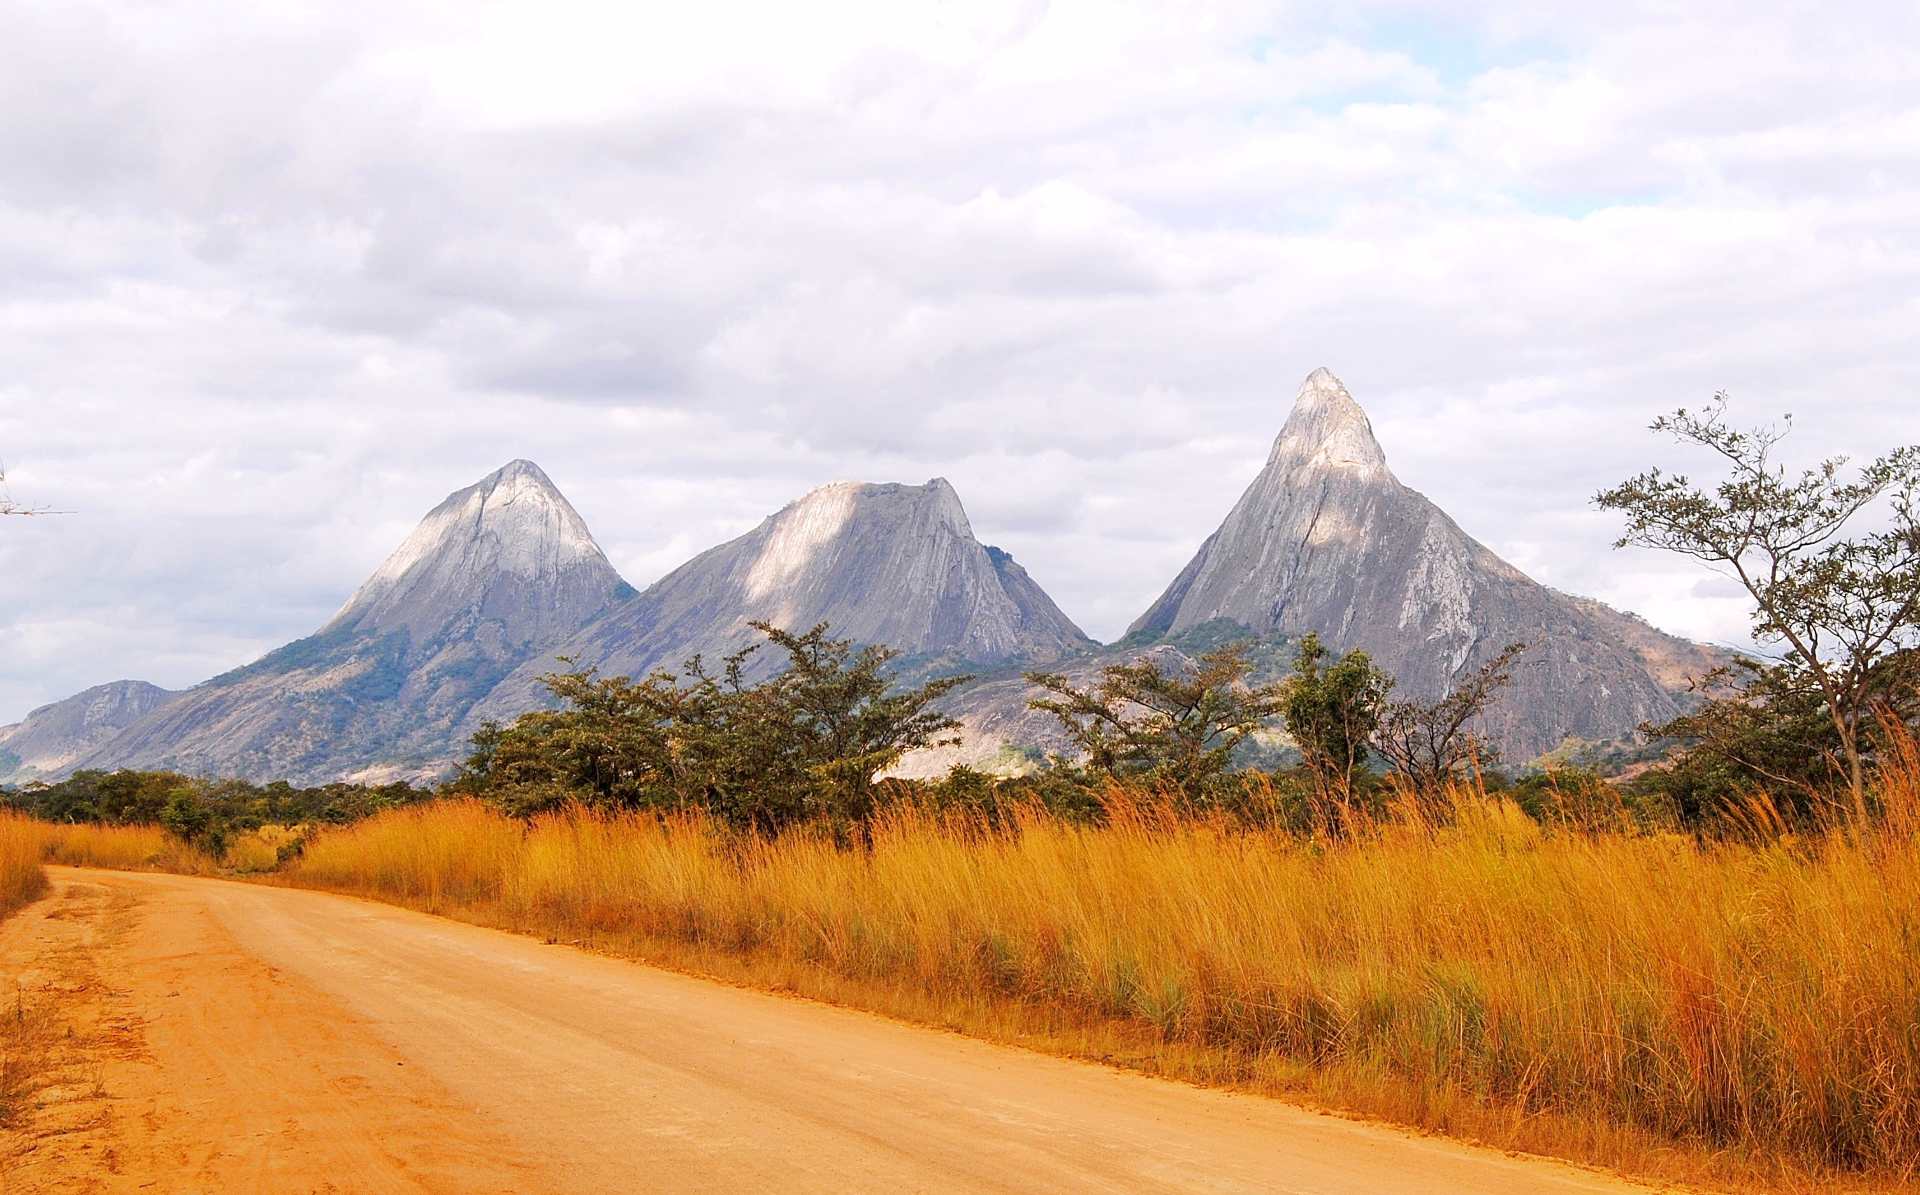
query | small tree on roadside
[1332, 711]
[1429, 743]
[1845, 609]
[614, 741]
[1176, 728]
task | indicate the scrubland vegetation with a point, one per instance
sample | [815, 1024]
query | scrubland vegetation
[1723, 990]
[1592, 993]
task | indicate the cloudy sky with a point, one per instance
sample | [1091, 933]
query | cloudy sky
[276, 278]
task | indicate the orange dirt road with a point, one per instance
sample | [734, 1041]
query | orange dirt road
[228, 1037]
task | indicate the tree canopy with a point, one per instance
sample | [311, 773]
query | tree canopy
[1843, 606]
[809, 742]
[1175, 729]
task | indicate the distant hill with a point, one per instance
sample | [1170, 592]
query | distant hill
[51, 738]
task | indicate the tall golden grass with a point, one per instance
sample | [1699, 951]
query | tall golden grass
[21, 876]
[126, 848]
[258, 850]
[1599, 995]
[26, 843]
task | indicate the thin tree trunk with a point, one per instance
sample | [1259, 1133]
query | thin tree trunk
[1856, 781]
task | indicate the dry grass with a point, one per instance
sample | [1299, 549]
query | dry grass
[21, 877]
[30, 1037]
[125, 848]
[1682, 1009]
[259, 850]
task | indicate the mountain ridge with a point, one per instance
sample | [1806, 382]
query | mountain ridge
[54, 735]
[879, 562]
[459, 621]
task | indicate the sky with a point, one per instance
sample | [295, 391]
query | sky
[276, 278]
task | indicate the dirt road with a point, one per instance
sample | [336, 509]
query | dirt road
[228, 1037]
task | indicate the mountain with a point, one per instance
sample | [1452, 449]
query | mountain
[464, 617]
[1326, 539]
[53, 736]
[891, 564]
[496, 575]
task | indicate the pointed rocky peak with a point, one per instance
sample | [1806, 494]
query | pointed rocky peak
[944, 501]
[814, 530]
[1327, 428]
[888, 564]
[512, 528]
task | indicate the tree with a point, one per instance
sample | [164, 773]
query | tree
[614, 742]
[1176, 729]
[833, 722]
[1844, 609]
[1332, 712]
[810, 742]
[1757, 727]
[1428, 743]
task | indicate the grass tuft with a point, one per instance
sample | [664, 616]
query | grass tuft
[22, 843]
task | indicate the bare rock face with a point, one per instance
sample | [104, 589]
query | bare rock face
[1327, 540]
[497, 574]
[50, 738]
[508, 556]
[885, 564]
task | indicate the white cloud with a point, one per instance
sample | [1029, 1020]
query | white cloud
[274, 280]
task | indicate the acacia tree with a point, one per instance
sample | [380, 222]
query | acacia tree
[833, 721]
[1176, 728]
[1844, 609]
[1332, 711]
[808, 742]
[1757, 727]
[613, 741]
[1429, 743]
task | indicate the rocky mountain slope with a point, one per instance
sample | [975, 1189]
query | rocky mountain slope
[892, 564]
[1326, 539]
[497, 574]
[52, 737]
[501, 578]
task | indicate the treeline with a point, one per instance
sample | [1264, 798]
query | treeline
[814, 742]
[205, 813]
